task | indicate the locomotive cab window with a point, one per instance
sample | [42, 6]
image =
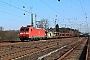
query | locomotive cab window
[24, 29]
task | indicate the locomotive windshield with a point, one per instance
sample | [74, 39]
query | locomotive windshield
[24, 29]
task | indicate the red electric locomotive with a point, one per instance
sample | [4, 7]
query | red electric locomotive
[31, 33]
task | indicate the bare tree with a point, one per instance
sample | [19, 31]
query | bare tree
[11, 35]
[1, 28]
[1, 33]
[43, 24]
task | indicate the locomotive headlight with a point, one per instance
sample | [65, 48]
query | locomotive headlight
[21, 33]
[27, 33]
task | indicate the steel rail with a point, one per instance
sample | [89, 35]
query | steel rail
[68, 52]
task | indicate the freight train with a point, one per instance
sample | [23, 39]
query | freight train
[31, 33]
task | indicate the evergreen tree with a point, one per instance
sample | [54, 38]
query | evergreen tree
[57, 28]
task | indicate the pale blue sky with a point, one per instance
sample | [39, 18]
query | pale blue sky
[72, 13]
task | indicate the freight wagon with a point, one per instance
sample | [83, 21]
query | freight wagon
[51, 35]
[64, 35]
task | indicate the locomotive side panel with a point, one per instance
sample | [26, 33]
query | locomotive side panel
[36, 33]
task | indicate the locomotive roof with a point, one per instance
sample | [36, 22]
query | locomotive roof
[32, 27]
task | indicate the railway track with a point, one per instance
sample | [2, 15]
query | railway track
[75, 52]
[34, 50]
[15, 50]
[63, 52]
[88, 49]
